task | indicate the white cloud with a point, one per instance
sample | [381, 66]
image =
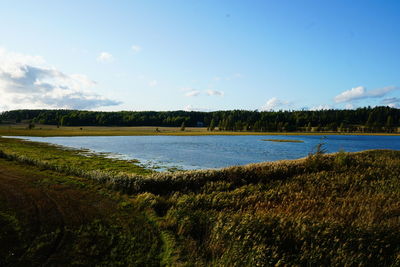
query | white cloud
[214, 92]
[27, 82]
[105, 57]
[189, 108]
[352, 94]
[192, 108]
[192, 93]
[153, 83]
[392, 102]
[276, 104]
[382, 91]
[349, 106]
[271, 104]
[136, 48]
[393, 105]
[361, 92]
[321, 107]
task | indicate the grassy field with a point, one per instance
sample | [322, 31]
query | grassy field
[51, 130]
[53, 219]
[338, 209]
[65, 158]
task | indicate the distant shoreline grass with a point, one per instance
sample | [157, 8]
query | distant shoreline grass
[67, 159]
[51, 130]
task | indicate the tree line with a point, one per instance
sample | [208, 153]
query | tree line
[367, 119]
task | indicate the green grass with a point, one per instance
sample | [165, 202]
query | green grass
[50, 130]
[48, 218]
[68, 158]
[340, 209]
[337, 209]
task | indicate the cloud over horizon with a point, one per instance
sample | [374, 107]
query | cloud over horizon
[214, 93]
[361, 92]
[276, 104]
[190, 92]
[192, 108]
[321, 107]
[28, 82]
[393, 102]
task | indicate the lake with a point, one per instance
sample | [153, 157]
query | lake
[203, 152]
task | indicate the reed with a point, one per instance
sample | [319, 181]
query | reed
[337, 209]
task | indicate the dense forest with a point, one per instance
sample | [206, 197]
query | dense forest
[367, 119]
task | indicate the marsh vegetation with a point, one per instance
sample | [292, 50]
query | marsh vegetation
[325, 209]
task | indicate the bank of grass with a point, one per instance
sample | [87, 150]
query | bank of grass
[339, 209]
[51, 130]
[65, 158]
[51, 219]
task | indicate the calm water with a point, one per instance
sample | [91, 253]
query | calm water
[200, 152]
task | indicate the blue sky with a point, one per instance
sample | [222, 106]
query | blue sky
[199, 55]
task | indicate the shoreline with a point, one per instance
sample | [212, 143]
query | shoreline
[36, 134]
[53, 131]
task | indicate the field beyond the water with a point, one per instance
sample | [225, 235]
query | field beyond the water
[64, 207]
[22, 129]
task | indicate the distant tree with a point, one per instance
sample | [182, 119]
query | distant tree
[17, 118]
[31, 125]
[309, 127]
[361, 119]
[212, 125]
[221, 125]
[63, 121]
[342, 127]
[183, 126]
[257, 126]
[370, 122]
[389, 124]
[238, 126]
